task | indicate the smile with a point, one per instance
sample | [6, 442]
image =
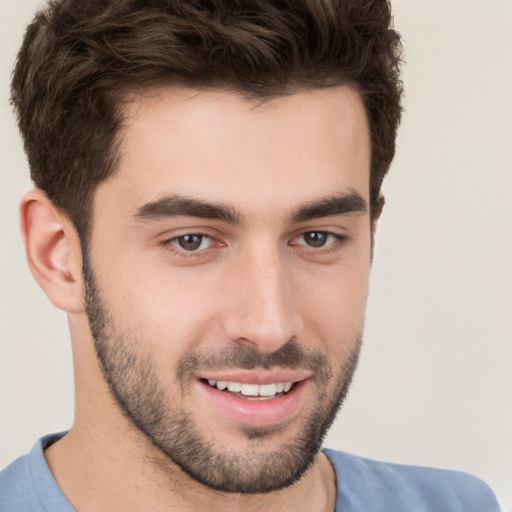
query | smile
[256, 399]
[253, 391]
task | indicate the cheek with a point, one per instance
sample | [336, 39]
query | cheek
[162, 307]
[333, 299]
[335, 319]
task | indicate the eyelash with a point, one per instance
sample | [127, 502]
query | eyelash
[171, 244]
[339, 240]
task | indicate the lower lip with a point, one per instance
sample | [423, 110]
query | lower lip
[256, 413]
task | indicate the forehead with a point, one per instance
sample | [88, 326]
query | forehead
[220, 145]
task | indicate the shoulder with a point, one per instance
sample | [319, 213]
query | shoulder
[15, 480]
[365, 484]
[16, 487]
[27, 483]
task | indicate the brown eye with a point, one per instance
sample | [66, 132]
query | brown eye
[316, 238]
[191, 242]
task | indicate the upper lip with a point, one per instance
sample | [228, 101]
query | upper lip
[257, 376]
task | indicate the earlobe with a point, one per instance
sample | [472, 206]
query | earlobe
[52, 250]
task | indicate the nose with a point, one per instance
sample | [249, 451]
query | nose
[262, 312]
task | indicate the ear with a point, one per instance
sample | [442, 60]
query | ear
[53, 251]
[375, 216]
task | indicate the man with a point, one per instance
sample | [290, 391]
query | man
[208, 182]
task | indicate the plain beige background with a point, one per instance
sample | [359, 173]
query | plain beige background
[435, 382]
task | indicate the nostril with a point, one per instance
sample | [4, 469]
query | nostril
[244, 342]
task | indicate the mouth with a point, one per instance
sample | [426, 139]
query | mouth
[252, 391]
[255, 399]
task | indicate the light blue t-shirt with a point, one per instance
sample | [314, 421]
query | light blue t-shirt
[363, 485]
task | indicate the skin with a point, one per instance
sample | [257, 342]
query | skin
[264, 161]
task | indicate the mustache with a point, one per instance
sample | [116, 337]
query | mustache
[290, 355]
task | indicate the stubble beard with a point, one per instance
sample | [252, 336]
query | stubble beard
[131, 375]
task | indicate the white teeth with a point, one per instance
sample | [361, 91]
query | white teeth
[234, 387]
[249, 389]
[267, 390]
[253, 390]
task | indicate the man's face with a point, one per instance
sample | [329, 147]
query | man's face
[227, 276]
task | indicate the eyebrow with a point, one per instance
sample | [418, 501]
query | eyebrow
[181, 206]
[341, 204]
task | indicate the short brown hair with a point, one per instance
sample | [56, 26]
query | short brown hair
[80, 58]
